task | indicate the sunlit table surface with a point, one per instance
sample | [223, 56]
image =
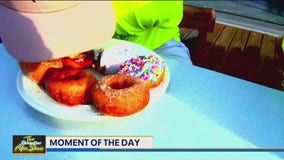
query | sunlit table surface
[200, 109]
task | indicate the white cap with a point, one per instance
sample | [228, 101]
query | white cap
[44, 30]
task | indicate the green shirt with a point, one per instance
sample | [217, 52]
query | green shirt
[149, 23]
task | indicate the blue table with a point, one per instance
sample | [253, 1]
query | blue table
[200, 109]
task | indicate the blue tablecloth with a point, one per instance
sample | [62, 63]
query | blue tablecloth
[200, 109]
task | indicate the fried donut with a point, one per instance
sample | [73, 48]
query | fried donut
[120, 95]
[37, 71]
[70, 86]
[81, 60]
[149, 68]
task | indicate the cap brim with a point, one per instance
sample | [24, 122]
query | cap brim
[43, 36]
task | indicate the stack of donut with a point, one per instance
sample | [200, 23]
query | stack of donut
[70, 81]
[65, 80]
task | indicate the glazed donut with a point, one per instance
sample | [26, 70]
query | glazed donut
[120, 95]
[81, 60]
[37, 71]
[70, 86]
[149, 68]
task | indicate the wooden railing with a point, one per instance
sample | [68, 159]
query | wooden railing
[201, 19]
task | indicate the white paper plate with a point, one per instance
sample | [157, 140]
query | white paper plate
[116, 51]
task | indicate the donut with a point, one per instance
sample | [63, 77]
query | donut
[120, 95]
[70, 86]
[37, 71]
[149, 68]
[81, 60]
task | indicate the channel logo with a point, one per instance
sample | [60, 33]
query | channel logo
[29, 144]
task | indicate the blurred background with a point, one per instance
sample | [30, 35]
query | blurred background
[263, 15]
